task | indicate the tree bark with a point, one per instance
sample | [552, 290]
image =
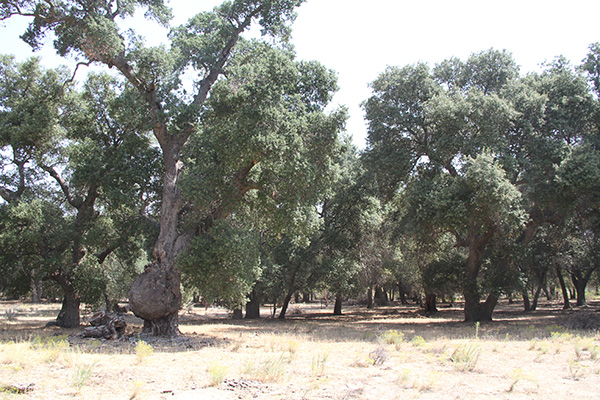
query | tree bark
[337, 307]
[155, 297]
[237, 313]
[370, 298]
[402, 294]
[563, 288]
[430, 303]
[536, 297]
[253, 306]
[580, 282]
[37, 290]
[68, 317]
[474, 309]
[286, 303]
[381, 296]
[580, 286]
[526, 301]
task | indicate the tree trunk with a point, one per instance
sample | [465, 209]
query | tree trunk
[337, 308]
[580, 286]
[563, 288]
[253, 306]
[526, 302]
[536, 297]
[370, 298]
[580, 282]
[286, 303]
[474, 309]
[37, 290]
[155, 295]
[306, 297]
[381, 296]
[430, 303]
[237, 313]
[402, 294]
[68, 317]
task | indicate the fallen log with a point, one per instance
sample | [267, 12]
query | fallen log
[105, 327]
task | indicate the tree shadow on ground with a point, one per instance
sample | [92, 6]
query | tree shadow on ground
[357, 324]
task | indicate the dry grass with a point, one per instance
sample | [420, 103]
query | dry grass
[389, 353]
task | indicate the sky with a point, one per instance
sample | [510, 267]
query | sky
[359, 39]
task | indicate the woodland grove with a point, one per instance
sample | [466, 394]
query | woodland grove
[214, 168]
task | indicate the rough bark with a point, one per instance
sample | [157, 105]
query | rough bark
[155, 296]
[580, 286]
[237, 313]
[105, 327]
[476, 311]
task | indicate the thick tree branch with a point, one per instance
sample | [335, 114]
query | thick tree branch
[217, 68]
[63, 186]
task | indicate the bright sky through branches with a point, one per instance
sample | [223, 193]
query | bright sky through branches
[359, 39]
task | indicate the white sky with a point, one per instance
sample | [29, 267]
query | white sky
[358, 39]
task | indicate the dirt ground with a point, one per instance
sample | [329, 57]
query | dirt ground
[388, 353]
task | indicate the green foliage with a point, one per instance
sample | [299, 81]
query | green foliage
[223, 264]
[266, 142]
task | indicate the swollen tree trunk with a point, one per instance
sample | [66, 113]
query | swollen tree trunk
[337, 308]
[155, 295]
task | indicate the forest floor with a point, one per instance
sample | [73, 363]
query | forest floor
[387, 353]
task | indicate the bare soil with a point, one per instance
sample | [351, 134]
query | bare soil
[391, 352]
